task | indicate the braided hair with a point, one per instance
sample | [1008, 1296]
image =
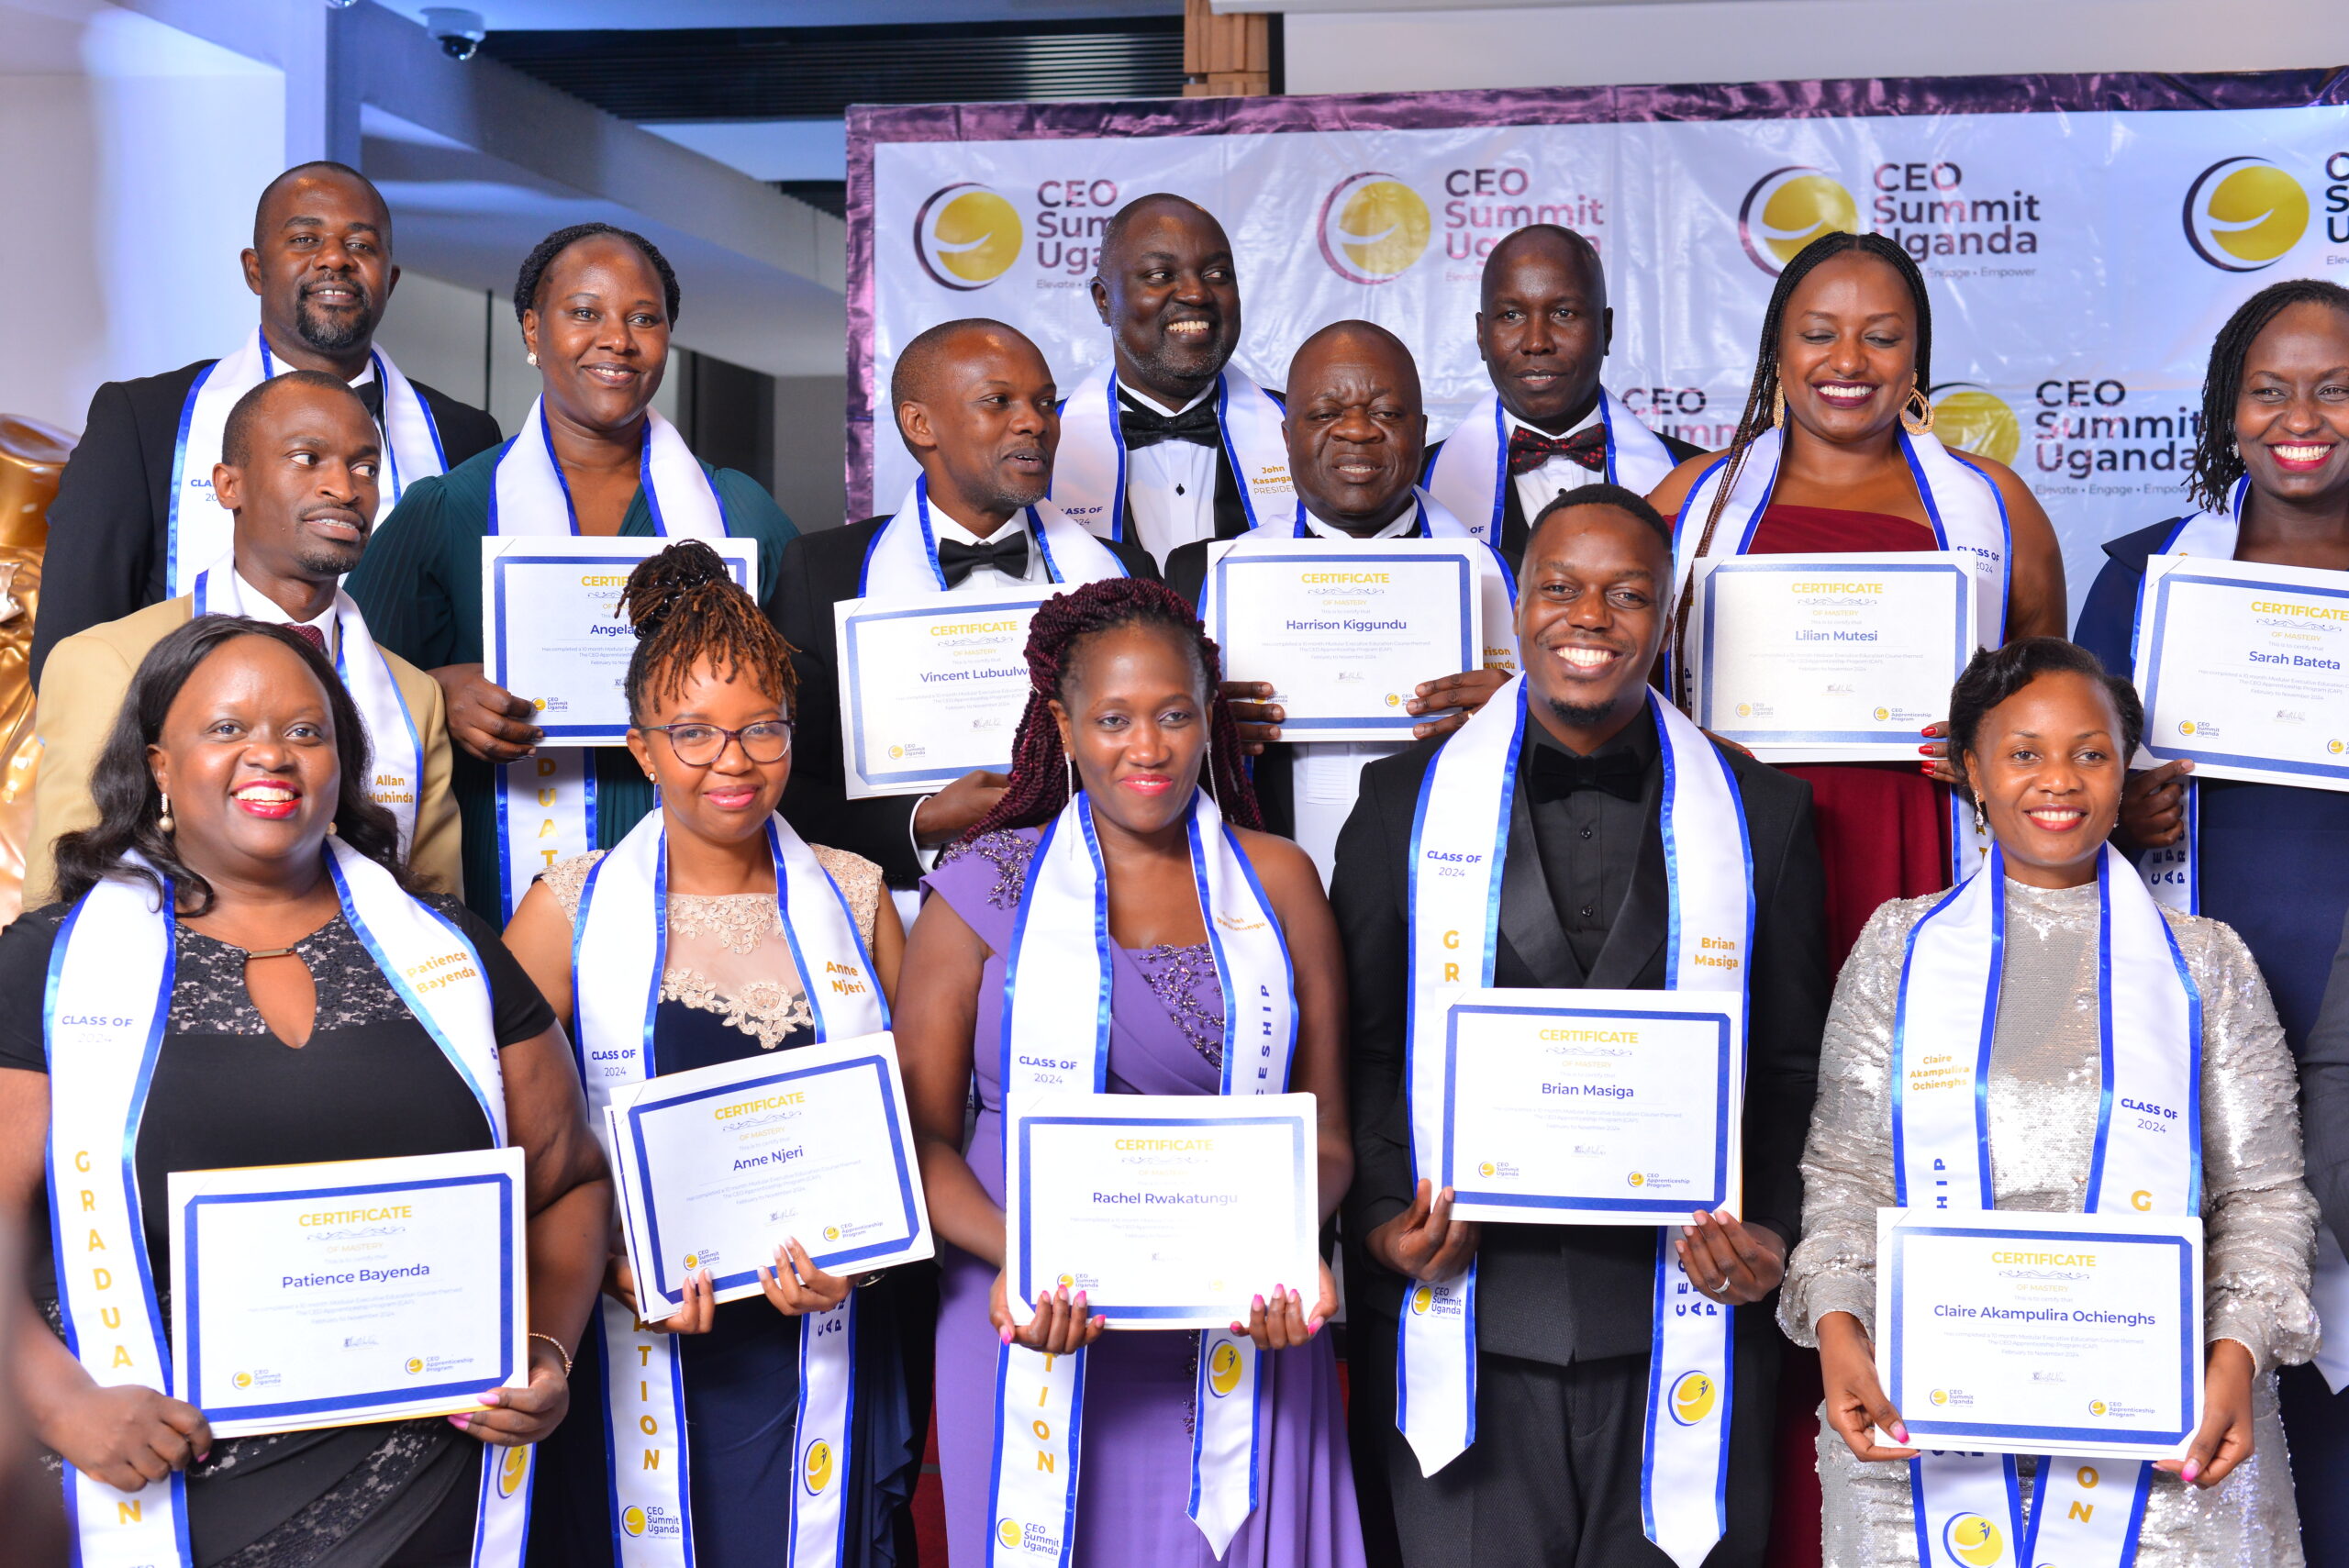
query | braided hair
[1055, 639]
[687, 609]
[535, 264]
[2216, 463]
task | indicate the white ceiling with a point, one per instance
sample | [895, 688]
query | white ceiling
[90, 38]
[520, 15]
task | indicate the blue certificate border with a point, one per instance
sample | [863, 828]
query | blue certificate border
[852, 695]
[1471, 637]
[1302, 1170]
[673, 1290]
[2149, 670]
[1680, 1204]
[1924, 1425]
[1961, 650]
[737, 562]
[401, 1394]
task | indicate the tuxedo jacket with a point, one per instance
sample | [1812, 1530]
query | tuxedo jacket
[820, 570]
[1566, 1293]
[1516, 525]
[109, 530]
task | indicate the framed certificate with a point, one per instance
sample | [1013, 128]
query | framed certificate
[1170, 1211]
[365, 1290]
[1593, 1107]
[1345, 633]
[552, 629]
[721, 1165]
[2255, 682]
[1828, 658]
[930, 687]
[2037, 1333]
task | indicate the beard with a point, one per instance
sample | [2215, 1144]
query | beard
[321, 559]
[1000, 495]
[333, 334]
[1581, 715]
[1181, 363]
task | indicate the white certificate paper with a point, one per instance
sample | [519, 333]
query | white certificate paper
[2041, 1333]
[718, 1166]
[364, 1290]
[1828, 658]
[930, 687]
[552, 629]
[1170, 1211]
[2246, 669]
[1593, 1107]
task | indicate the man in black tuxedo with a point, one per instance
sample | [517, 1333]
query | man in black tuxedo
[321, 264]
[1565, 1313]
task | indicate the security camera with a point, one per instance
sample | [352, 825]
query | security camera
[459, 32]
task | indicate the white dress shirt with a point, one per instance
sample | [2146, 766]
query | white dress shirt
[1169, 484]
[261, 607]
[1545, 484]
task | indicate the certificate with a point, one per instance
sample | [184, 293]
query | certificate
[930, 687]
[721, 1165]
[1593, 1107]
[2041, 1333]
[2246, 669]
[552, 629]
[1170, 1211]
[1828, 658]
[362, 1290]
[1345, 634]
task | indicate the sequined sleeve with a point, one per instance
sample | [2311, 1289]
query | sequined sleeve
[859, 880]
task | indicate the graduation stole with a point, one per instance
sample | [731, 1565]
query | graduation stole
[2150, 1023]
[109, 1001]
[1459, 845]
[902, 559]
[397, 780]
[546, 802]
[1060, 954]
[1089, 469]
[619, 953]
[1469, 474]
[200, 530]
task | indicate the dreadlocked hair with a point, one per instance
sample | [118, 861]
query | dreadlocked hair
[687, 609]
[1055, 641]
[2216, 463]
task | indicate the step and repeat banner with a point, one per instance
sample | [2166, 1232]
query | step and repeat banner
[2082, 238]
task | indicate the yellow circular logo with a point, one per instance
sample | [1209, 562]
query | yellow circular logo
[2186, 726]
[2243, 213]
[415, 1365]
[816, 1470]
[1006, 1532]
[1694, 1394]
[1394, 699]
[1637, 1180]
[1068, 1279]
[1882, 714]
[243, 1380]
[538, 705]
[1789, 208]
[693, 1260]
[966, 235]
[896, 751]
[1745, 710]
[2335, 746]
[2096, 1408]
[1223, 1368]
[1941, 1396]
[1484, 1168]
[1973, 1541]
[1976, 421]
[1372, 227]
[831, 1232]
[512, 1470]
[632, 1519]
[1421, 1299]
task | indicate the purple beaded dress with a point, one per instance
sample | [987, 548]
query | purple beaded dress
[1165, 1038]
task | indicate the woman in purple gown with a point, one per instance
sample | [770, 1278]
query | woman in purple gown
[1122, 677]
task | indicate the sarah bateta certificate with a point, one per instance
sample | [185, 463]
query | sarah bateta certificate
[2246, 669]
[930, 687]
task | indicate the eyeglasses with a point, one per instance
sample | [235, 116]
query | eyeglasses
[699, 745]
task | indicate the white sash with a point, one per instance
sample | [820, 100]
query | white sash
[1089, 469]
[1060, 951]
[110, 978]
[396, 783]
[1462, 822]
[200, 530]
[2150, 1020]
[1469, 474]
[546, 802]
[618, 955]
[902, 559]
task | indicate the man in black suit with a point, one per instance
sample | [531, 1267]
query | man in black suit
[1563, 1314]
[321, 264]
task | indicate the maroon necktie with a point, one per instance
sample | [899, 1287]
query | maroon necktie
[312, 636]
[1529, 449]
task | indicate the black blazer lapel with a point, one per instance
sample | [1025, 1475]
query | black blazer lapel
[1529, 921]
[1646, 918]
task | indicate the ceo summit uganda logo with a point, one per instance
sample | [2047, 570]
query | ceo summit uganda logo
[1975, 420]
[2243, 213]
[966, 235]
[1787, 209]
[1372, 227]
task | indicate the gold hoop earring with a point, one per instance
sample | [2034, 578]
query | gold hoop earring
[164, 823]
[1914, 423]
[1778, 407]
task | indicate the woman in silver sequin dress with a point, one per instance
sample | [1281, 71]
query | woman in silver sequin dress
[2043, 747]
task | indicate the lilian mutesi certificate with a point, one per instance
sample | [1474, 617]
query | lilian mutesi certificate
[1593, 1107]
[1828, 658]
[552, 630]
[1170, 1211]
[930, 687]
[364, 1290]
[2017, 1332]
[2246, 669]
[718, 1166]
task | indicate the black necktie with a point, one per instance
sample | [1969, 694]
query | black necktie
[1007, 553]
[371, 393]
[1146, 426]
[1555, 775]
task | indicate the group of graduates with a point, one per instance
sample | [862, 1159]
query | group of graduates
[273, 765]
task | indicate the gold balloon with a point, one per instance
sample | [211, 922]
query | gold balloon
[32, 456]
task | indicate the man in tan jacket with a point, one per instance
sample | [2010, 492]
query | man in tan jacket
[299, 464]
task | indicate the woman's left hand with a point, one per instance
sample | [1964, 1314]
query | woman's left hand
[796, 1287]
[1285, 1319]
[1727, 1260]
[2224, 1441]
[519, 1417]
[1937, 765]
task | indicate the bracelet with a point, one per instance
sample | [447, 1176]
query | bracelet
[551, 1339]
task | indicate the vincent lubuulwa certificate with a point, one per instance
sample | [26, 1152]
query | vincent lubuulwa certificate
[1593, 1107]
[1170, 1211]
[365, 1290]
[930, 687]
[552, 631]
[2246, 669]
[2016, 1332]
[1828, 658]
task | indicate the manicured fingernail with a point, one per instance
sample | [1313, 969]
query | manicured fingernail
[1081, 1298]
[492, 1398]
[204, 1455]
[1312, 1327]
[1928, 751]
[1007, 1334]
[460, 1422]
[1258, 1304]
[1901, 1433]
[1280, 1290]
[2193, 1468]
[1237, 1328]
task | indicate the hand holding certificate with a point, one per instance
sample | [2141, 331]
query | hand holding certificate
[932, 689]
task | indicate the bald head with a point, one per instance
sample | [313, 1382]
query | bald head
[977, 406]
[1356, 428]
[1544, 328]
[321, 262]
[1169, 294]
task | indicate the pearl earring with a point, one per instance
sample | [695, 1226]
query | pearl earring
[164, 823]
[533, 360]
